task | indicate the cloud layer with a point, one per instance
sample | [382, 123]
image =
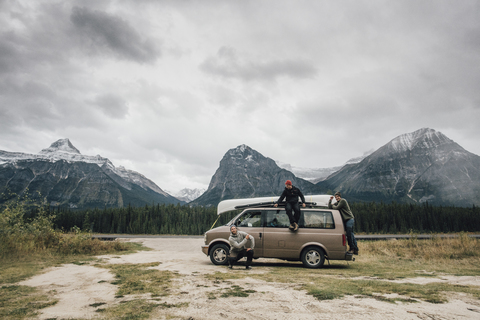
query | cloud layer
[167, 87]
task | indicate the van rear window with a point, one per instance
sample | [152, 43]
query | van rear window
[317, 219]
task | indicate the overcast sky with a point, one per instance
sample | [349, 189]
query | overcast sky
[166, 88]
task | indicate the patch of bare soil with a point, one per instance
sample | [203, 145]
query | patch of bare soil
[81, 289]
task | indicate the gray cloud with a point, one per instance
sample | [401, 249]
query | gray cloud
[112, 105]
[8, 54]
[227, 64]
[106, 33]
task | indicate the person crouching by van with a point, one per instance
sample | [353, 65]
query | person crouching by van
[348, 219]
[291, 194]
[241, 245]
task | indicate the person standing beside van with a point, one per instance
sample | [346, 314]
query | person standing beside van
[342, 206]
[291, 194]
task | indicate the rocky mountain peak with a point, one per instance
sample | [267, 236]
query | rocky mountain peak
[63, 176]
[420, 166]
[62, 145]
[246, 173]
[424, 138]
[243, 155]
[241, 150]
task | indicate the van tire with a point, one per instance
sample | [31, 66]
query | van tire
[313, 257]
[219, 254]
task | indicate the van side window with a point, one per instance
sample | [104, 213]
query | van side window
[276, 219]
[250, 219]
[318, 219]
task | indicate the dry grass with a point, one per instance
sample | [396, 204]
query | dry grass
[460, 247]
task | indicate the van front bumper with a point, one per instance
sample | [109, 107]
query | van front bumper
[205, 250]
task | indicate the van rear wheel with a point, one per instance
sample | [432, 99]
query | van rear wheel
[313, 257]
[219, 254]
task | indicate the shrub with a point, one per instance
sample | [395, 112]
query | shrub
[20, 235]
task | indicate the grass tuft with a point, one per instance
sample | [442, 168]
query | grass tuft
[141, 279]
[22, 302]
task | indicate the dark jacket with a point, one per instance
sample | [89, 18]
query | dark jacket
[291, 195]
[343, 207]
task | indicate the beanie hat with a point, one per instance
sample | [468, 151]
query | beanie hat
[338, 194]
[288, 182]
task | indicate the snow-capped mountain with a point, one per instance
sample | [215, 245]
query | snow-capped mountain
[63, 176]
[59, 150]
[420, 166]
[189, 195]
[315, 175]
[64, 150]
[309, 174]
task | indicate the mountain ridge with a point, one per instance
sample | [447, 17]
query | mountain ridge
[63, 166]
[245, 173]
[424, 165]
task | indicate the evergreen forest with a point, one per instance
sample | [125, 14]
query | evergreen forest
[168, 219]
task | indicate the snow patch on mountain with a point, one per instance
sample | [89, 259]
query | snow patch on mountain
[61, 146]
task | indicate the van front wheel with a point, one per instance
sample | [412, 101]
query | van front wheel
[313, 257]
[219, 254]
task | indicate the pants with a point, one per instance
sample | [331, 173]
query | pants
[352, 243]
[249, 254]
[296, 208]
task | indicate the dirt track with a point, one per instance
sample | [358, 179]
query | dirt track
[83, 285]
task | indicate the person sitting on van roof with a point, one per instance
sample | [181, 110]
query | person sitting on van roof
[291, 194]
[242, 245]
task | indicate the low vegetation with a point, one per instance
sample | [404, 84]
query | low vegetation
[28, 246]
[140, 289]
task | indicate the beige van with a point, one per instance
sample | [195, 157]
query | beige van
[320, 236]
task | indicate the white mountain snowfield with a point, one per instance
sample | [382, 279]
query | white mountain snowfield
[187, 194]
[64, 150]
[315, 175]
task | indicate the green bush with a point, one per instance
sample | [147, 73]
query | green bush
[20, 235]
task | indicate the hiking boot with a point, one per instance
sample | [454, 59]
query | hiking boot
[230, 266]
[248, 267]
[350, 251]
[296, 226]
[355, 252]
[291, 227]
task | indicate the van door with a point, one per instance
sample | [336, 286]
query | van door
[278, 240]
[251, 222]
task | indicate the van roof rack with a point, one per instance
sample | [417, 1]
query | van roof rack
[319, 200]
[270, 204]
